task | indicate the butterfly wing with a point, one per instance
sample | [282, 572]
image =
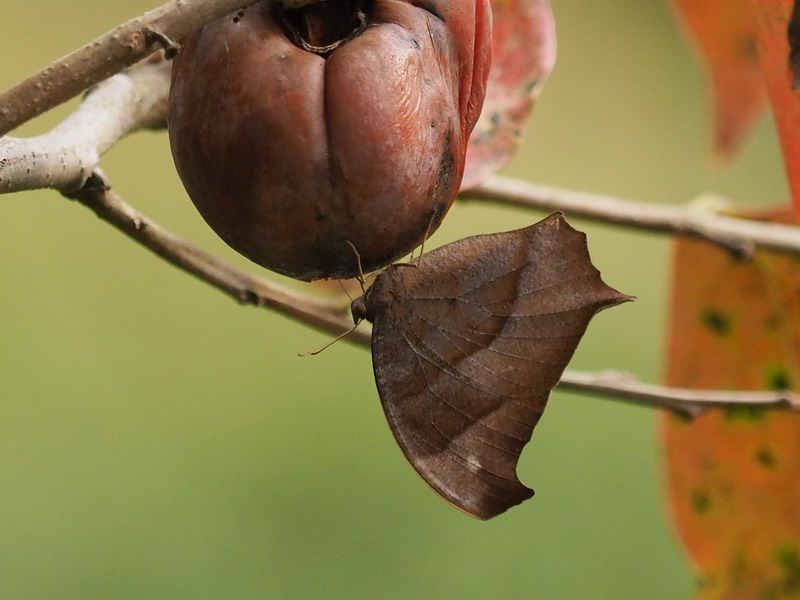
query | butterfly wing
[467, 347]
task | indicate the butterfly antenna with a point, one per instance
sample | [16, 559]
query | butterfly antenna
[361, 279]
[344, 289]
[436, 214]
[331, 343]
[422, 247]
[361, 282]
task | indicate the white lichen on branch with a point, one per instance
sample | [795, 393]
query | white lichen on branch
[64, 157]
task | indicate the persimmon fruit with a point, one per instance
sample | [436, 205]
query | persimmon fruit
[312, 135]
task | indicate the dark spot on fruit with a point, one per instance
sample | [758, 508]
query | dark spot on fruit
[765, 456]
[772, 323]
[701, 501]
[439, 211]
[446, 168]
[739, 571]
[702, 582]
[717, 321]
[788, 559]
[681, 417]
[747, 48]
[778, 378]
[745, 414]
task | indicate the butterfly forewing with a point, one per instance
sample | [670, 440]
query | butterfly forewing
[467, 347]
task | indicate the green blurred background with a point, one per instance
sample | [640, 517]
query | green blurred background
[158, 441]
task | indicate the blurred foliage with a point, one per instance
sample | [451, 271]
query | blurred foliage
[158, 441]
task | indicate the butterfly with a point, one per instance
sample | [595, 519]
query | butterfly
[467, 345]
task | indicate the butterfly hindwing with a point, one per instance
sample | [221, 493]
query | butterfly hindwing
[467, 347]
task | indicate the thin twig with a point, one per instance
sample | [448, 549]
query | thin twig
[690, 403]
[244, 287]
[329, 317]
[742, 236]
[108, 54]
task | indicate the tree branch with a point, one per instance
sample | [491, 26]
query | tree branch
[330, 318]
[64, 157]
[242, 286]
[108, 54]
[742, 236]
[688, 402]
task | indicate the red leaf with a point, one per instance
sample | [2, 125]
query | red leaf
[724, 33]
[523, 54]
[773, 46]
[734, 475]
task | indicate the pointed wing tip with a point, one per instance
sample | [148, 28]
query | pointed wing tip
[620, 298]
[484, 513]
[484, 507]
[612, 298]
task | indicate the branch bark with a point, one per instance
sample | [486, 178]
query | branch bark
[64, 157]
[330, 318]
[688, 402]
[741, 236]
[108, 54]
[242, 286]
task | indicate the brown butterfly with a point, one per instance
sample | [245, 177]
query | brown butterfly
[467, 345]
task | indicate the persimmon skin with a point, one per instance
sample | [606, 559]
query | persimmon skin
[289, 156]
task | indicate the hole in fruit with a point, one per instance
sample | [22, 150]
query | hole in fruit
[321, 27]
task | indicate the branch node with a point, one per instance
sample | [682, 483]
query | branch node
[153, 38]
[699, 214]
[95, 183]
[247, 296]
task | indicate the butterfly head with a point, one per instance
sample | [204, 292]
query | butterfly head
[365, 307]
[358, 308]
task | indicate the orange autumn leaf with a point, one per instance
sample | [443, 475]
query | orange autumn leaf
[733, 475]
[773, 47]
[724, 35]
